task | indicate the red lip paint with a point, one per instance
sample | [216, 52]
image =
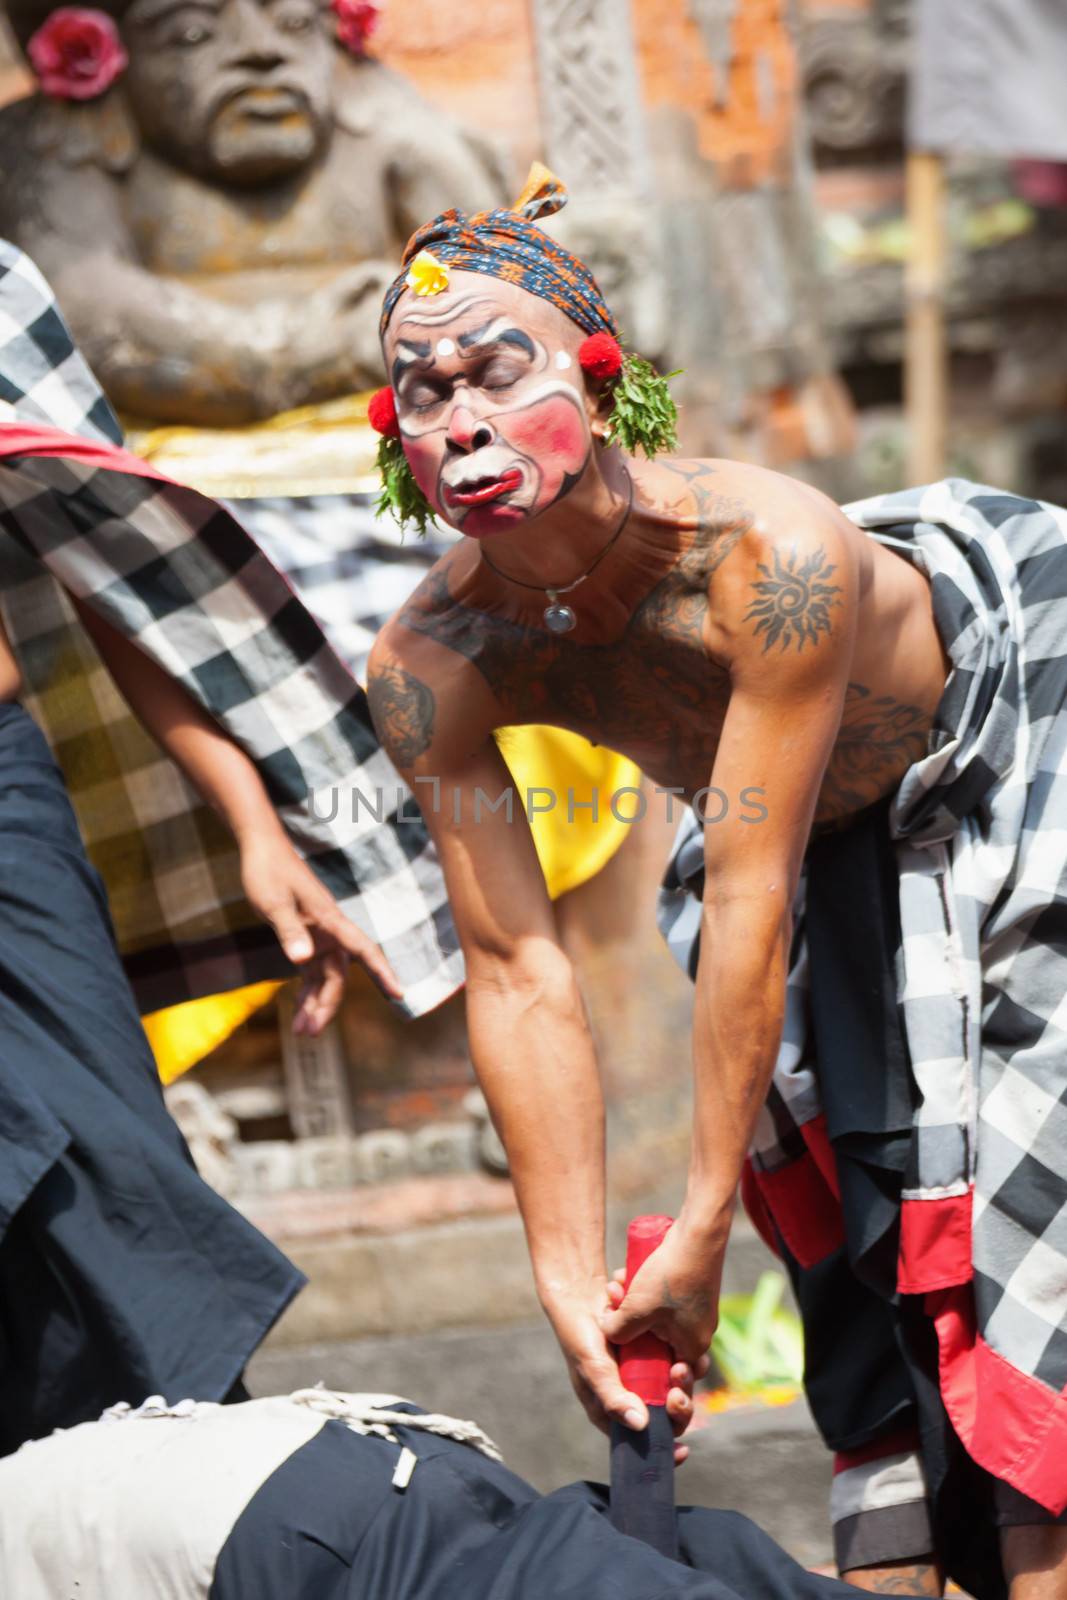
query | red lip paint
[491, 491]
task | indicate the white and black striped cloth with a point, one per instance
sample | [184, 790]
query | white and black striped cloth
[980, 837]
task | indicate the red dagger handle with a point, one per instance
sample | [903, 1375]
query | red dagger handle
[642, 1464]
[645, 1363]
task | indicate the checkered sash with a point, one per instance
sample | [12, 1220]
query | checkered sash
[43, 375]
[980, 830]
[352, 569]
[176, 573]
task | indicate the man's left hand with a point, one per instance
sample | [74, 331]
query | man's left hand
[311, 928]
[675, 1295]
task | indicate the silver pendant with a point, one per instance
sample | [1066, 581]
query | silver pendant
[557, 618]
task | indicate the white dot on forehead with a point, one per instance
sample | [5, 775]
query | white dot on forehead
[563, 360]
[446, 347]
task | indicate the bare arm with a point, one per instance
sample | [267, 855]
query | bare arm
[789, 634]
[311, 929]
[529, 1036]
[165, 348]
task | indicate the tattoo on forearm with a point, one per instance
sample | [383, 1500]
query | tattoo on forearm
[793, 601]
[402, 707]
[897, 1577]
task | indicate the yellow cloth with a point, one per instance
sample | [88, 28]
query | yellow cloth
[570, 852]
[182, 1035]
[329, 448]
[571, 849]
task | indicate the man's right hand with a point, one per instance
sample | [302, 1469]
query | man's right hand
[594, 1371]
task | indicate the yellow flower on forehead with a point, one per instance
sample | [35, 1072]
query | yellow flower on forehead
[427, 275]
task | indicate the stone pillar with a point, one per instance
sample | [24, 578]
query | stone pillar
[315, 1083]
[591, 107]
[594, 135]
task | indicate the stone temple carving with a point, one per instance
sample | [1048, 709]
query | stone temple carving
[854, 72]
[219, 225]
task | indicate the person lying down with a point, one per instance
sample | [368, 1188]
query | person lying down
[326, 1496]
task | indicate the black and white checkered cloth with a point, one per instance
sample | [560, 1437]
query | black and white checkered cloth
[980, 833]
[351, 569]
[43, 375]
[175, 572]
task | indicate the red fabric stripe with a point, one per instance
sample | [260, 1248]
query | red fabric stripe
[1013, 1425]
[817, 1140]
[903, 1441]
[806, 1212]
[935, 1244]
[753, 1202]
[24, 439]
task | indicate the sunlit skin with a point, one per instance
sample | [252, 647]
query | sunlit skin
[739, 631]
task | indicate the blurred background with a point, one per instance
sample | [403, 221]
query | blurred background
[858, 293]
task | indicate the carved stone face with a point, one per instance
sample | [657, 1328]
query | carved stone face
[238, 91]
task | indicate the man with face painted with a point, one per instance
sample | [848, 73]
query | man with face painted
[839, 705]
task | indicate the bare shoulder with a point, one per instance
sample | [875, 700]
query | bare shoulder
[431, 707]
[770, 505]
[795, 566]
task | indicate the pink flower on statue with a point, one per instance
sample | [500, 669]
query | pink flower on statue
[77, 54]
[356, 21]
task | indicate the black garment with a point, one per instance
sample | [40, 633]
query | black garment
[121, 1273]
[871, 1354]
[329, 1525]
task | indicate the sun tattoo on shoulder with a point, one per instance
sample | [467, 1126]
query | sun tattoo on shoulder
[402, 708]
[793, 600]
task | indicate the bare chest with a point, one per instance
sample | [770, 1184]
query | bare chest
[654, 694]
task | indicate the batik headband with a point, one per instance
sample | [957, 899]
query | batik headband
[507, 244]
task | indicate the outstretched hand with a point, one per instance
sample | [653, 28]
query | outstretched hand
[594, 1370]
[674, 1294]
[311, 928]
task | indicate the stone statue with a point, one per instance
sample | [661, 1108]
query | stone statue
[219, 224]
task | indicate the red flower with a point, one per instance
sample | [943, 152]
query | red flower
[77, 54]
[356, 21]
[600, 356]
[381, 413]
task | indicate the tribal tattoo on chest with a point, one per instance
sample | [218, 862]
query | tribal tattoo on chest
[655, 693]
[656, 686]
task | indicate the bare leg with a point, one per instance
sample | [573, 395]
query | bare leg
[905, 1577]
[1035, 1562]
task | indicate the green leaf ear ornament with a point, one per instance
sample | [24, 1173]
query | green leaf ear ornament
[643, 412]
[401, 496]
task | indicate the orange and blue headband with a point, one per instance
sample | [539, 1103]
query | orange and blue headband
[506, 244]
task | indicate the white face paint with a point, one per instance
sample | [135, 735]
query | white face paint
[536, 438]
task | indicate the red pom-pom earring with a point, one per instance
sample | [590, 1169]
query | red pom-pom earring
[381, 413]
[600, 357]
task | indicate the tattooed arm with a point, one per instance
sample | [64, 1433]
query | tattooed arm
[783, 611]
[529, 1037]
